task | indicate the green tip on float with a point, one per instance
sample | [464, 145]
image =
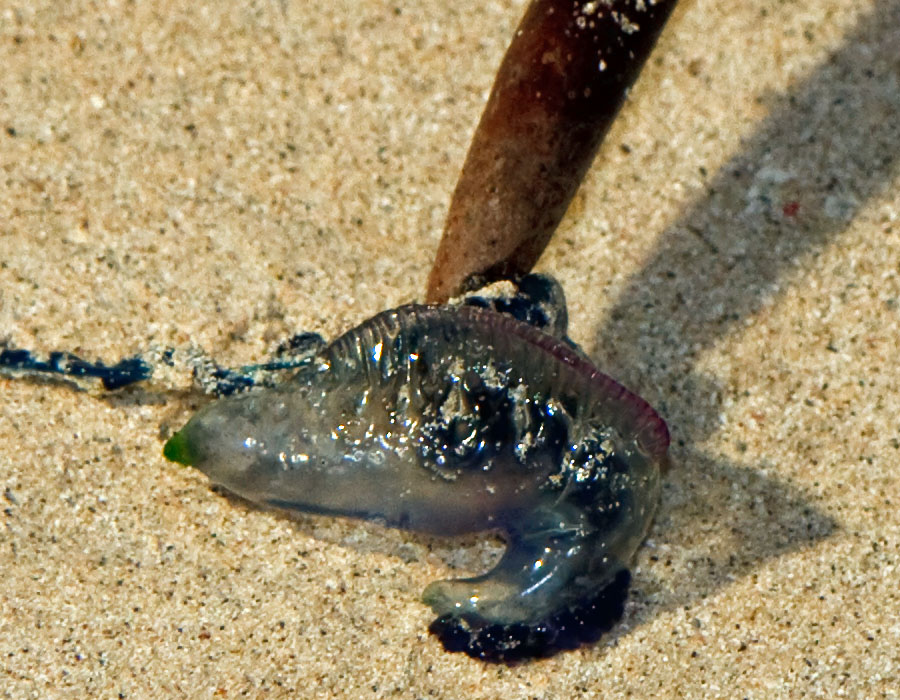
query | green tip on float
[178, 450]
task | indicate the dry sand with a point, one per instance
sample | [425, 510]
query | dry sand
[225, 174]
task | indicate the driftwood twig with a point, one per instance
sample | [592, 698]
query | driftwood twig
[559, 87]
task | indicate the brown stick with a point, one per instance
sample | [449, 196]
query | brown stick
[561, 83]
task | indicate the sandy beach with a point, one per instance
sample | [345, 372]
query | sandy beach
[224, 175]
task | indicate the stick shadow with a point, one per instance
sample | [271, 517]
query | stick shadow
[829, 145]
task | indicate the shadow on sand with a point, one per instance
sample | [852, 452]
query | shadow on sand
[723, 260]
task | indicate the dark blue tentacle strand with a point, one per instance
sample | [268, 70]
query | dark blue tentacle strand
[208, 375]
[123, 373]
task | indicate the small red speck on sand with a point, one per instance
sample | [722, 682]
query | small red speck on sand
[790, 209]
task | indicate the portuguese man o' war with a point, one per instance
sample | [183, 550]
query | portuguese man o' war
[477, 416]
[458, 419]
